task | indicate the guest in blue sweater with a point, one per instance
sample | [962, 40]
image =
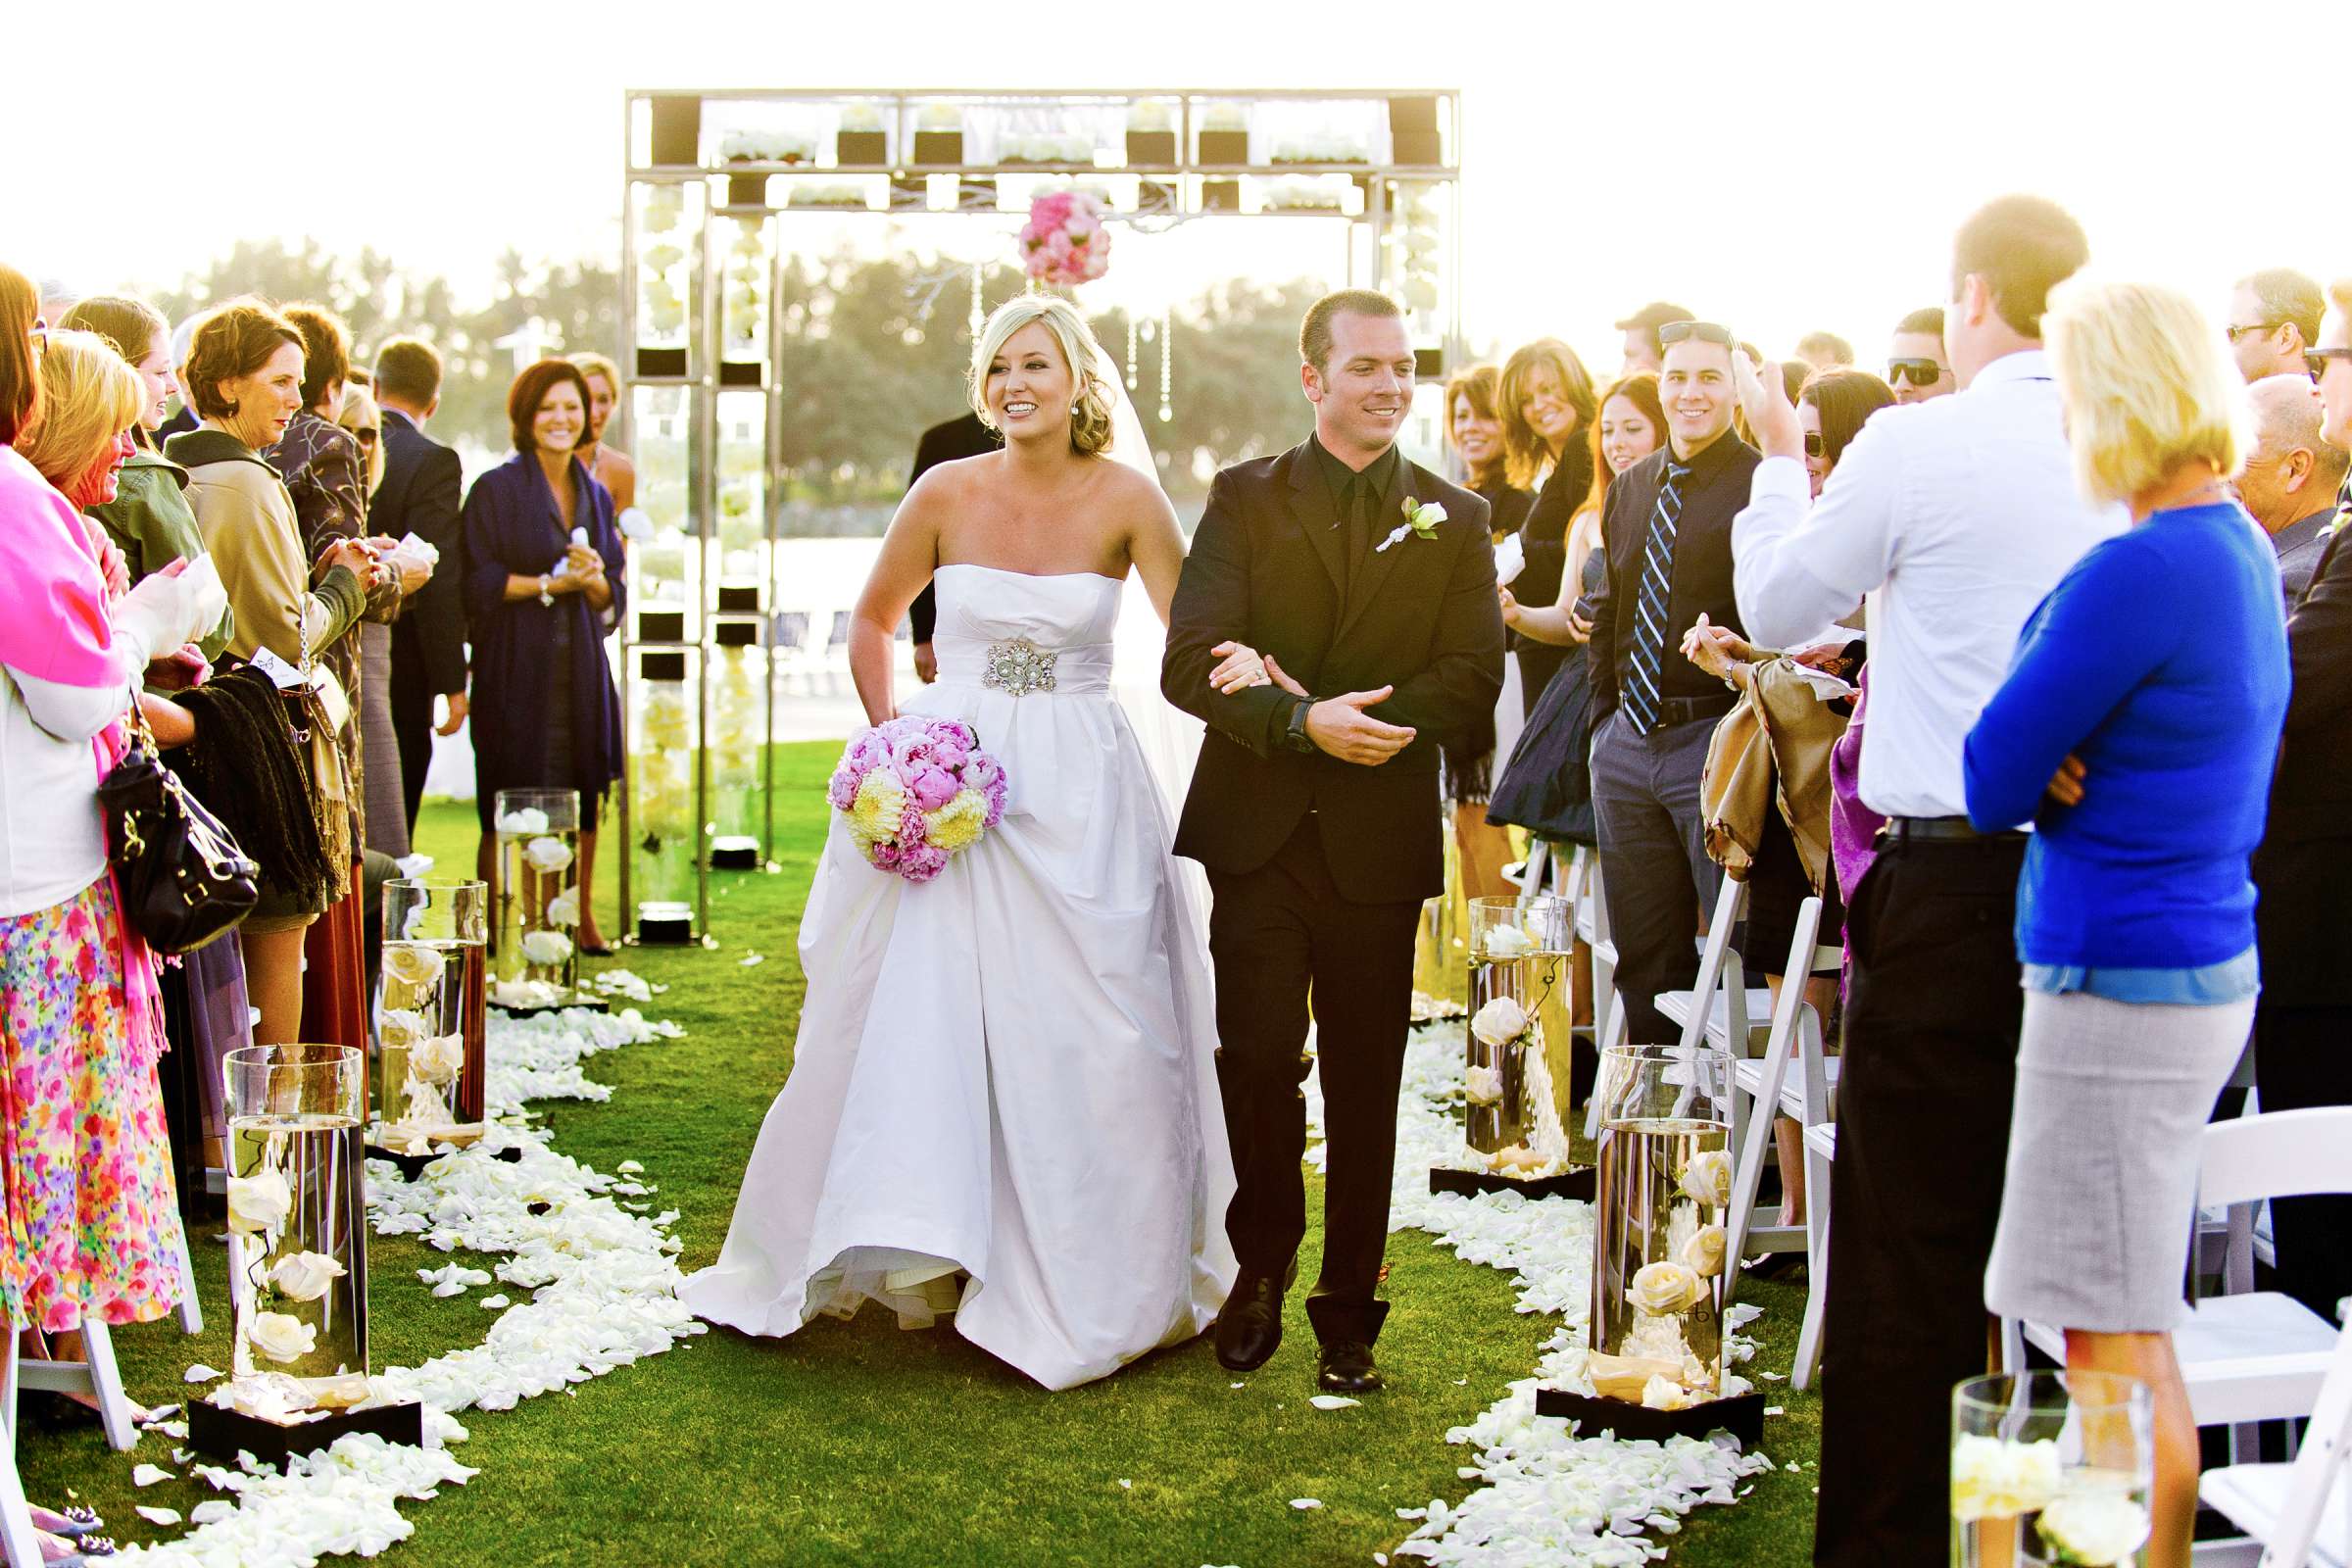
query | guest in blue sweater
[2138, 729]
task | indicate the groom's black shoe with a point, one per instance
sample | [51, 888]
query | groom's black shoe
[1251, 1325]
[1346, 1367]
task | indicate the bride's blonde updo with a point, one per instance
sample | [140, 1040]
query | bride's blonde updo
[1090, 409]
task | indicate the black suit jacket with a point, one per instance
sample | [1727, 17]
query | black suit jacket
[2303, 869]
[420, 494]
[1713, 494]
[964, 437]
[1266, 567]
[2300, 545]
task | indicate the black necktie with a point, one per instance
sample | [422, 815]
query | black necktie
[1354, 514]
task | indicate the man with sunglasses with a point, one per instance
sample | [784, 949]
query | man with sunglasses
[1917, 365]
[1955, 517]
[1667, 526]
[2274, 320]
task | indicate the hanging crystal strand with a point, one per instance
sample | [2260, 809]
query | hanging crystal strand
[977, 318]
[1167, 367]
[1132, 379]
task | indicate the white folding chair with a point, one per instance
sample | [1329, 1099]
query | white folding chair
[1592, 925]
[2299, 1512]
[1760, 1088]
[1718, 1007]
[2248, 1356]
[95, 1375]
[19, 1542]
[1821, 1151]
[191, 1310]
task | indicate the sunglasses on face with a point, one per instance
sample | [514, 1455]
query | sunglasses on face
[1813, 445]
[1919, 373]
[1704, 331]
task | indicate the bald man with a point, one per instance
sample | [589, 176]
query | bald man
[2291, 479]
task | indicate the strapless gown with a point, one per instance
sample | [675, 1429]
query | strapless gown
[1007, 1071]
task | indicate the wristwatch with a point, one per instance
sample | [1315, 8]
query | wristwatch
[1294, 734]
[545, 597]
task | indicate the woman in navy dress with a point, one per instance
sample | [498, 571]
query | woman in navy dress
[539, 600]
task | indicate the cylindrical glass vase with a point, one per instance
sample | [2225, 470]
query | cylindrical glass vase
[431, 1014]
[536, 953]
[1520, 1015]
[1664, 1185]
[2051, 1467]
[297, 1211]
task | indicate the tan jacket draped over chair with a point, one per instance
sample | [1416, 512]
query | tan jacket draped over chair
[1771, 753]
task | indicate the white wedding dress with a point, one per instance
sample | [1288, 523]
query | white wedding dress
[1009, 1070]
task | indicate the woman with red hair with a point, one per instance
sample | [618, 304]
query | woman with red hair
[543, 575]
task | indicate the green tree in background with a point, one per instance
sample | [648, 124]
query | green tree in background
[873, 350]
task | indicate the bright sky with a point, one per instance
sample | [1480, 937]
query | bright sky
[1781, 166]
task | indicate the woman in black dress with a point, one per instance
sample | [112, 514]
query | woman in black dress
[1548, 412]
[1474, 429]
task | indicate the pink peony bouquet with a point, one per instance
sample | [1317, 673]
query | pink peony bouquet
[1064, 240]
[915, 790]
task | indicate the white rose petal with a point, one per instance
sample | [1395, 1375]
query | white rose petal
[147, 1475]
[1664, 1393]
[213, 1512]
[1660, 1288]
[1500, 1022]
[282, 1336]
[548, 855]
[529, 821]
[1333, 1401]
[1302, 1505]
[1707, 1179]
[260, 1201]
[305, 1276]
[545, 949]
[201, 1373]
[413, 964]
[161, 1518]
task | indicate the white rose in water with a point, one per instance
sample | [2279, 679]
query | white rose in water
[2094, 1528]
[1506, 942]
[1997, 1479]
[543, 949]
[439, 1060]
[530, 820]
[1707, 1179]
[399, 1028]
[1704, 1251]
[281, 1336]
[305, 1276]
[1664, 1393]
[1484, 1085]
[548, 855]
[260, 1201]
[565, 908]
[1500, 1022]
[1662, 1287]
[413, 966]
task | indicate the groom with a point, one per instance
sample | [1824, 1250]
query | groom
[1368, 586]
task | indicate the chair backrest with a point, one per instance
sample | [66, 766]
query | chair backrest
[2319, 1462]
[2281, 1154]
[1712, 966]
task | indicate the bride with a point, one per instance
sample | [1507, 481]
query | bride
[1002, 1101]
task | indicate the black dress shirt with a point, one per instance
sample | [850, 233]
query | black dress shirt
[1353, 496]
[1713, 492]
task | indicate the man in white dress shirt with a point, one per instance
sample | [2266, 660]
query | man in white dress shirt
[1955, 517]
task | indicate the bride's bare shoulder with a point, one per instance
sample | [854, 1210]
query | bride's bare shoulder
[1127, 488]
[945, 484]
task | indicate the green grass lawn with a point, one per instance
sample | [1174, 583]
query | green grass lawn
[859, 1443]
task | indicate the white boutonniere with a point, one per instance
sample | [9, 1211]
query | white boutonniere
[1421, 519]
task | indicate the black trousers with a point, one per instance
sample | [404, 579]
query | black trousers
[1279, 935]
[1922, 1141]
[412, 728]
[2303, 1057]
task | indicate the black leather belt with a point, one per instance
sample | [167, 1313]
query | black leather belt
[1693, 710]
[1939, 830]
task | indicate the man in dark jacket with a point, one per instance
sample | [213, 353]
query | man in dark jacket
[967, 435]
[420, 495]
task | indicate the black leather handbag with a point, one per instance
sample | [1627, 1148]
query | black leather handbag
[183, 879]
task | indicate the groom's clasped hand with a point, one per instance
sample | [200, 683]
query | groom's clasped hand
[1339, 725]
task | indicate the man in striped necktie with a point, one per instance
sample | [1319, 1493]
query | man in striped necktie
[1668, 525]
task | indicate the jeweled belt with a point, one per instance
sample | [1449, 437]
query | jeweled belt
[1020, 667]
